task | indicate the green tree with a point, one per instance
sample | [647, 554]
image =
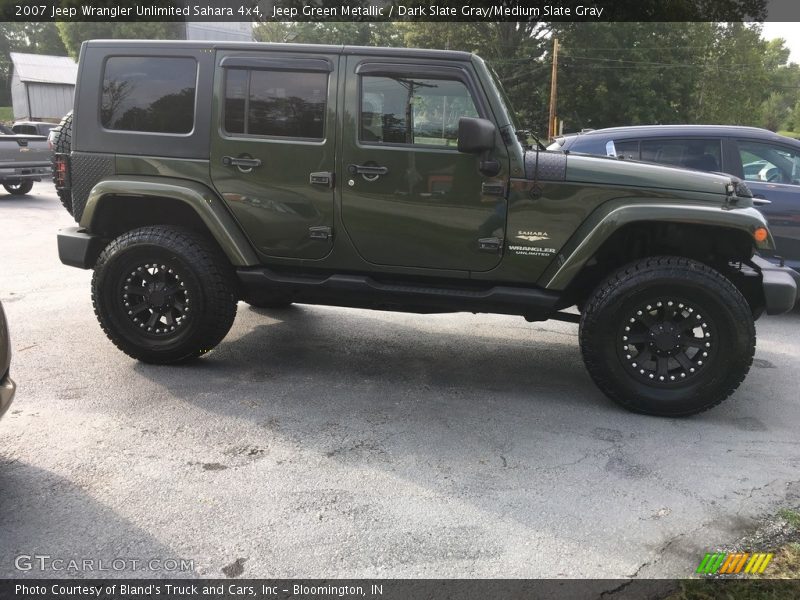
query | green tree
[334, 32]
[31, 38]
[639, 73]
[774, 113]
[734, 78]
[627, 73]
[794, 118]
[74, 33]
[514, 50]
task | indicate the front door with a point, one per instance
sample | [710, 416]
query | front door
[409, 197]
[772, 172]
[272, 154]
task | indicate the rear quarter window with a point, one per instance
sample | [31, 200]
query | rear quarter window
[693, 153]
[149, 94]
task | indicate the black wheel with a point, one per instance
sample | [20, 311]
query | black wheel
[164, 295]
[62, 144]
[18, 189]
[667, 336]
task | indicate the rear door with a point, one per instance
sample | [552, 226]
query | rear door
[272, 151]
[409, 197]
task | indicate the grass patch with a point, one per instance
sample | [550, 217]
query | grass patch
[786, 564]
[781, 581]
[792, 517]
[791, 134]
[6, 114]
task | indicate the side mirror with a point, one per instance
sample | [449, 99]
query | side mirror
[475, 136]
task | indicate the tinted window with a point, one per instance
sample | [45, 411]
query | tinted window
[701, 154]
[628, 149]
[275, 103]
[149, 94]
[768, 162]
[408, 110]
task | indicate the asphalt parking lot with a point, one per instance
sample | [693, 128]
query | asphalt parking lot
[326, 442]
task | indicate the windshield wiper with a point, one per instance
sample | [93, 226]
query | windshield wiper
[524, 134]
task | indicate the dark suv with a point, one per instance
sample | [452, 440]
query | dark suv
[770, 163]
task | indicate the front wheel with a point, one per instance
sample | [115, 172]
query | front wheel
[18, 189]
[164, 295]
[667, 336]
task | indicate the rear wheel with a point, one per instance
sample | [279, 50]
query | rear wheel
[18, 189]
[164, 295]
[667, 336]
[62, 144]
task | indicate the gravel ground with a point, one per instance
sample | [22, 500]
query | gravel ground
[327, 442]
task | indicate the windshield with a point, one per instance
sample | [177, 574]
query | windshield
[502, 92]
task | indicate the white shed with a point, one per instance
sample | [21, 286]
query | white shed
[42, 86]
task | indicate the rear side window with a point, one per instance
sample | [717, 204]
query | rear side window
[149, 94]
[25, 129]
[275, 103]
[692, 153]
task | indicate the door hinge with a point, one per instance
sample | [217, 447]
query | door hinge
[490, 244]
[493, 189]
[321, 178]
[319, 232]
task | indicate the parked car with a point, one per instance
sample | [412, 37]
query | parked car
[770, 163]
[7, 386]
[23, 160]
[275, 173]
[33, 127]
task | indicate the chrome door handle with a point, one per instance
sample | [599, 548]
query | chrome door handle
[368, 170]
[244, 164]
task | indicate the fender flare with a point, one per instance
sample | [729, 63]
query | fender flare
[200, 198]
[612, 216]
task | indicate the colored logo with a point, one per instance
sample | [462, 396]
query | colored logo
[722, 563]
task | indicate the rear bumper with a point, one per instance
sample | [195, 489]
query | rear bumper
[19, 173]
[780, 286]
[7, 389]
[79, 248]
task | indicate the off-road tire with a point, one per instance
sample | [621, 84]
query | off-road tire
[637, 297]
[196, 276]
[19, 189]
[62, 144]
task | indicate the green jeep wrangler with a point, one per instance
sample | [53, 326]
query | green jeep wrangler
[205, 173]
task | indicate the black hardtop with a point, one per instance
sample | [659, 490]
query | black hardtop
[417, 53]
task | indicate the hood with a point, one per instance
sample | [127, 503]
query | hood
[579, 168]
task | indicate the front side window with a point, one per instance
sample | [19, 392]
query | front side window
[275, 103]
[413, 110]
[691, 153]
[770, 163]
[149, 94]
[628, 149]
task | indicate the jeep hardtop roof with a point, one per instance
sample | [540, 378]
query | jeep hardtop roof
[310, 48]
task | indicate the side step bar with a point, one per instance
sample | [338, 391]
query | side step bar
[361, 291]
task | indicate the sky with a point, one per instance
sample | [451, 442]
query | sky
[787, 31]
